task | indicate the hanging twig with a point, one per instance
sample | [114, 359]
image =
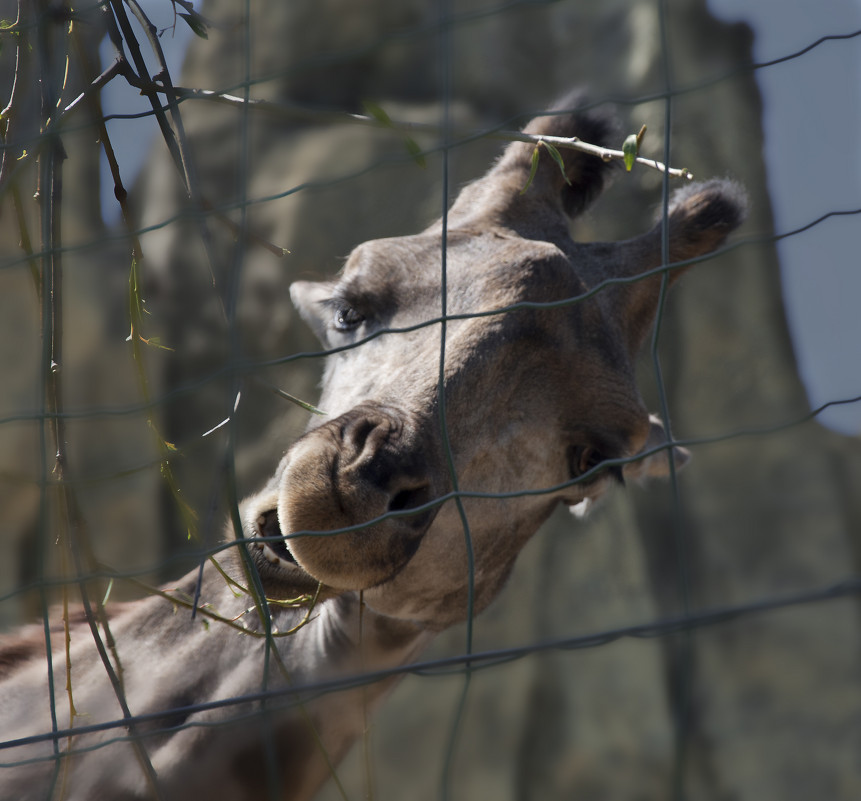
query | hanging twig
[72, 532]
[174, 137]
[294, 112]
[121, 68]
[8, 116]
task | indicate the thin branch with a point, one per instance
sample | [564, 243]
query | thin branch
[72, 532]
[120, 32]
[92, 95]
[119, 67]
[25, 242]
[163, 76]
[174, 137]
[236, 231]
[296, 112]
[7, 116]
[122, 68]
[603, 153]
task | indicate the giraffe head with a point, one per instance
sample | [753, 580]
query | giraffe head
[449, 441]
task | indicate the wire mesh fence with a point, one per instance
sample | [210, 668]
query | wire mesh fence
[684, 644]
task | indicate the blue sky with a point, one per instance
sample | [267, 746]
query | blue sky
[812, 122]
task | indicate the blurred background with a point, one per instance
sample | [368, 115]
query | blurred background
[766, 705]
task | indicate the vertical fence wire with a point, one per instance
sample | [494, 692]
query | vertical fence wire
[680, 694]
[445, 60]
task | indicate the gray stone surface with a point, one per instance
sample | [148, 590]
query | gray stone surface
[771, 702]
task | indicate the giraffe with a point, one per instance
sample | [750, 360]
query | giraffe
[515, 396]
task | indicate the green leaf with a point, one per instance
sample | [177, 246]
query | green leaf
[155, 342]
[533, 170]
[196, 23]
[373, 110]
[304, 404]
[630, 150]
[379, 114]
[416, 152]
[557, 157]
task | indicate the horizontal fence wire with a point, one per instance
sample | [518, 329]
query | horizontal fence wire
[477, 660]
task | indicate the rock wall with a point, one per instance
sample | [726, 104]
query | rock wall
[764, 706]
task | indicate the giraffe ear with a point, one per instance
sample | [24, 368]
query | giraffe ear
[535, 188]
[654, 465]
[657, 464]
[309, 298]
[701, 216]
[580, 178]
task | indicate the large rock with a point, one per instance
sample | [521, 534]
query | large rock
[718, 712]
[760, 707]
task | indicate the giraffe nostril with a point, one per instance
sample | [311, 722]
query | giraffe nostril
[366, 433]
[409, 498]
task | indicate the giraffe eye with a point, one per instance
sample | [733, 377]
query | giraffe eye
[584, 458]
[347, 318]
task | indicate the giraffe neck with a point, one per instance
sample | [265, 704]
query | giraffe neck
[217, 711]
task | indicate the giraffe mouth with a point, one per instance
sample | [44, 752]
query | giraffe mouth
[275, 550]
[269, 527]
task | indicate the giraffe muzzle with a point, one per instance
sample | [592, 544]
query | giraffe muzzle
[353, 496]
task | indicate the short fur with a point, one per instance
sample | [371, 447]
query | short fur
[539, 398]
